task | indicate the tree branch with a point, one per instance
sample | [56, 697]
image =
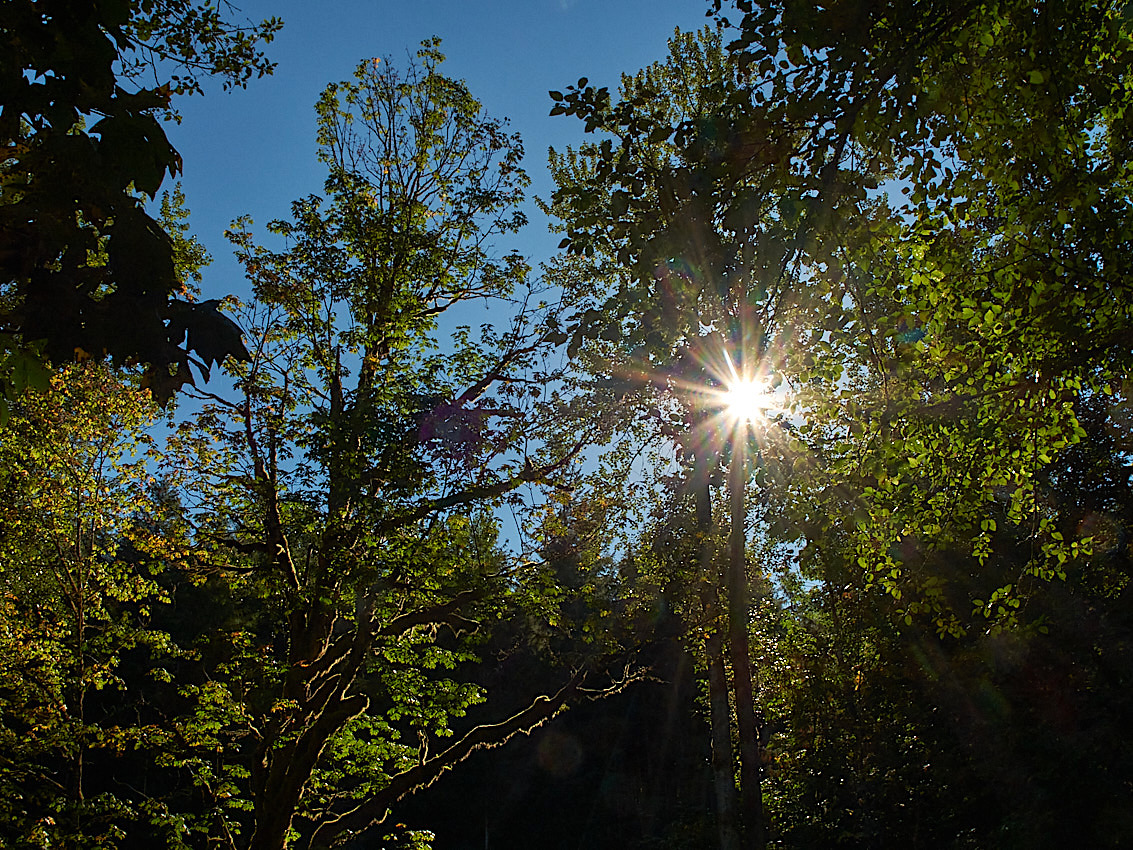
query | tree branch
[373, 811]
[440, 614]
[483, 492]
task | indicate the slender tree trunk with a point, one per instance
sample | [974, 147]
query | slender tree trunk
[739, 647]
[723, 775]
[723, 778]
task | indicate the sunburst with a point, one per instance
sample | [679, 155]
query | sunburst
[747, 400]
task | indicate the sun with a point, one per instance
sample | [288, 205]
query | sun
[747, 400]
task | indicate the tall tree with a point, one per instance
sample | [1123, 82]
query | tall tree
[921, 337]
[344, 494]
[677, 299]
[956, 324]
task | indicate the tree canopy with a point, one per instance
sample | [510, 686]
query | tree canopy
[905, 211]
[86, 270]
[888, 609]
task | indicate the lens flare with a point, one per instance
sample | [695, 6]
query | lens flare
[747, 400]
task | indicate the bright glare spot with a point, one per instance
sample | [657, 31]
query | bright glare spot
[747, 400]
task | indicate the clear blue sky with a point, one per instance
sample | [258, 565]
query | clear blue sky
[253, 151]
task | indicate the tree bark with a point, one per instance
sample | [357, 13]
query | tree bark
[723, 776]
[739, 604]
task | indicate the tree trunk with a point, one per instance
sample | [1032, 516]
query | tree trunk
[738, 641]
[723, 776]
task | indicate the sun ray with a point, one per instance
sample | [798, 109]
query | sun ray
[747, 400]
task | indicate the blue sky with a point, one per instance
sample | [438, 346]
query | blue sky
[253, 151]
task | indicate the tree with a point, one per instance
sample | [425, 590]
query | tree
[790, 172]
[85, 270]
[628, 771]
[677, 296]
[920, 338]
[982, 322]
[77, 603]
[900, 736]
[983, 304]
[342, 498]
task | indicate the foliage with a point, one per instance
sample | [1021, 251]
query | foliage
[271, 644]
[86, 271]
[914, 214]
[899, 736]
[955, 328]
[920, 337]
[78, 603]
[868, 210]
[676, 301]
[341, 498]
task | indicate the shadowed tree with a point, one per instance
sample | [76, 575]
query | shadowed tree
[85, 270]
